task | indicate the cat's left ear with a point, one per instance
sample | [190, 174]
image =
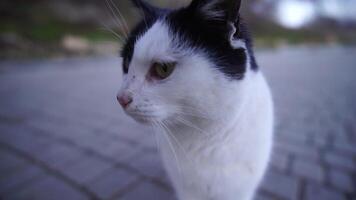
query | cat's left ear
[221, 10]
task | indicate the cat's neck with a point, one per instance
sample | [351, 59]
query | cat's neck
[226, 121]
[205, 138]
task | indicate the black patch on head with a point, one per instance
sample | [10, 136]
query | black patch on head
[211, 35]
[150, 16]
[198, 31]
[136, 33]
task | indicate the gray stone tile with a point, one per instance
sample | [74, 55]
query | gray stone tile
[19, 179]
[10, 163]
[147, 191]
[345, 146]
[295, 137]
[262, 196]
[340, 161]
[281, 185]
[321, 142]
[306, 151]
[309, 170]
[280, 161]
[48, 188]
[19, 137]
[135, 132]
[342, 180]
[149, 164]
[58, 155]
[314, 192]
[112, 182]
[120, 151]
[86, 169]
[58, 102]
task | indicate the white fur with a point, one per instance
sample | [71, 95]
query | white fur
[214, 134]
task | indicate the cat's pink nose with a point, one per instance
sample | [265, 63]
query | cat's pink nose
[124, 100]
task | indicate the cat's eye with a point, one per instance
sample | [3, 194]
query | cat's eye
[162, 70]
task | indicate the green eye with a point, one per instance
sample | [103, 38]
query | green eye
[163, 70]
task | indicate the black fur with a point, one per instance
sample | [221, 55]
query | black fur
[138, 31]
[200, 32]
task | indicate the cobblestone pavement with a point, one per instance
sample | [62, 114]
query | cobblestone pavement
[63, 136]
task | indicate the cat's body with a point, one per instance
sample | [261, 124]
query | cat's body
[191, 74]
[228, 164]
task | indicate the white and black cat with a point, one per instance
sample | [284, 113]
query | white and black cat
[191, 73]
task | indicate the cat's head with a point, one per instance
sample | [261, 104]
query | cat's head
[186, 63]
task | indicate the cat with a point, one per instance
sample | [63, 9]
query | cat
[191, 73]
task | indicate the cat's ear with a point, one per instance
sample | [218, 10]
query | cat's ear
[221, 10]
[146, 9]
[217, 9]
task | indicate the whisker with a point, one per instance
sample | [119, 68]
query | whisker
[122, 17]
[175, 139]
[112, 32]
[154, 126]
[183, 109]
[171, 146]
[143, 16]
[189, 124]
[117, 20]
[187, 110]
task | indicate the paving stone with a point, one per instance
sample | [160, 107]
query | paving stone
[10, 163]
[147, 191]
[22, 177]
[119, 151]
[45, 107]
[135, 132]
[340, 161]
[314, 192]
[342, 180]
[48, 188]
[55, 127]
[262, 196]
[281, 185]
[149, 141]
[86, 169]
[321, 142]
[307, 152]
[90, 141]
[309, 170]
[295, 137]
[345, 146]
[58, 155]
[19, 137]
[112, 182]
[149, 164]
[65, 130]
[280, 160]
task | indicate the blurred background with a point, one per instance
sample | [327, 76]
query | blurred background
[64, 136]
[41, 28]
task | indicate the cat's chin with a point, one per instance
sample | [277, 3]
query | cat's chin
[145, 120]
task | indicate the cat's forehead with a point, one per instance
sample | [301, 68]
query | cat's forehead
[154, 44]
[149, 42]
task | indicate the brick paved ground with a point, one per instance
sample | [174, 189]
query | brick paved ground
[63, 136]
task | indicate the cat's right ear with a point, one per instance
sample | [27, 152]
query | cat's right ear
[217, 9]
[227, 11]
[146, 9]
